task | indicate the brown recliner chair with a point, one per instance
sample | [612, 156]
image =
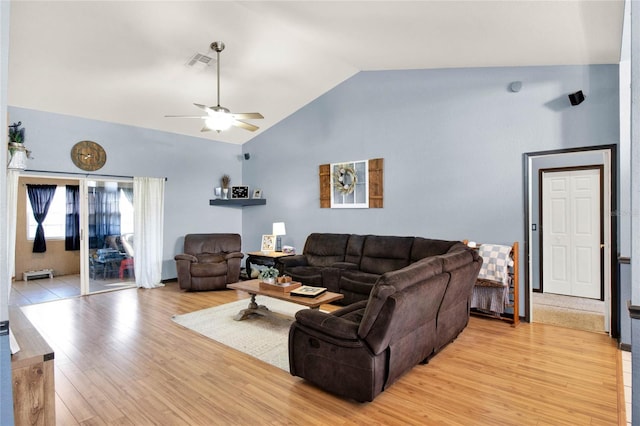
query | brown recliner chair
[209, 261]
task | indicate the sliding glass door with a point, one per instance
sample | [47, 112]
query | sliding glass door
[73, 236]
[106, 236]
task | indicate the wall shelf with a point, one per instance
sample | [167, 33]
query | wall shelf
[235, 202]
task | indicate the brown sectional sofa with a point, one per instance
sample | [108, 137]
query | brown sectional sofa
[351, 264]
[411, 313]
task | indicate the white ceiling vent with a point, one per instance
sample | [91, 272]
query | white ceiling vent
[200, 60]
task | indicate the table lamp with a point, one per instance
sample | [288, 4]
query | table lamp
[278, 229]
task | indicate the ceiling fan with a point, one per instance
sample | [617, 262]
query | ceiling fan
[217, 117]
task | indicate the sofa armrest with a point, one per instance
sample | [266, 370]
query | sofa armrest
[350, 308]
[292, 261]
[328, 324]
[184, 256]
[233, 255]
[345, 265]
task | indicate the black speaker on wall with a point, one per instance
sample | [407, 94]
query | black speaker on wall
[576, 98]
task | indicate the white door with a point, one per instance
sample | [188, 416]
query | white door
[571, 220]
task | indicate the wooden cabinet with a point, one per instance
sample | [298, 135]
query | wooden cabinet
[32, 374]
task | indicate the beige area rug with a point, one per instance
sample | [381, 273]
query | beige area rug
[571, 312]
[265, 338]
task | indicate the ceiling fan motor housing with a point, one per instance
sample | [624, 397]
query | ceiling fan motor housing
[217, 46]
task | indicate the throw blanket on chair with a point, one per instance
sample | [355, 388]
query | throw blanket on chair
[492, 292]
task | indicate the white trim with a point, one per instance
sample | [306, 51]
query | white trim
[607, 208]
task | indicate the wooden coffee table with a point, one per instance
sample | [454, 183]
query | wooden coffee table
[253, 288]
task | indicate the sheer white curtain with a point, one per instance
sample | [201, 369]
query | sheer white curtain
[148, 225]
[12, 212]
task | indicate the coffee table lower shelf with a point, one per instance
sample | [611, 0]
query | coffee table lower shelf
[253, 288]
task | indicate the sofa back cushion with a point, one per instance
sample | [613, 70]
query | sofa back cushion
[323, 249]
[387, 285]
[425, 247]
[211, 243]
[382, 254]
[457, 259]
[354, 249]
[463, 267]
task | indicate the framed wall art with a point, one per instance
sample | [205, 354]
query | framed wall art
[268, 243]
[239, 192]
[350, 185]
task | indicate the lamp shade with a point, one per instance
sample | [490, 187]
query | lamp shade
[279, 229]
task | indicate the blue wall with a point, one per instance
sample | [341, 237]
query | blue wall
[192, 166]
[452, 142]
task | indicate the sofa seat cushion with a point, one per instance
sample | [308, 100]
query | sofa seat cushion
[323, 260]
[352, 312]
[354, 316]
[357, 281]
[208, 269]
[308, 275]
[210, 257]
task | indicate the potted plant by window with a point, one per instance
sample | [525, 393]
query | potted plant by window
[18, 153]
[225, 186]
[269, 275]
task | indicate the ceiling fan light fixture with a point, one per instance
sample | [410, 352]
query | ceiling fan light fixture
[219, 120]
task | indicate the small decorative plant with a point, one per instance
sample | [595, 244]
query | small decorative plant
[225, 181]
[269, 274]
[16, 134]
[225, 186]
[18, 152]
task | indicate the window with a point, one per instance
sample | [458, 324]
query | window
[54, 223]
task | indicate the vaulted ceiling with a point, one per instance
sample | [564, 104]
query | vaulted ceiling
[125, 61]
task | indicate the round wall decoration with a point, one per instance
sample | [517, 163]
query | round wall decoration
[88, 155]
[345, 179]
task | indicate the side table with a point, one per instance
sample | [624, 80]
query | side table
[263, 258]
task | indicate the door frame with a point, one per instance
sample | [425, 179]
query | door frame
[83, 179]
[610, 153]
[541, 172]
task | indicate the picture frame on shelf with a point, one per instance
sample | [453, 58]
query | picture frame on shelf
[257, 193]
[240, 192]
[268, 243]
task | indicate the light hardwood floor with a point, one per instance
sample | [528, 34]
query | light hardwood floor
[121, 360]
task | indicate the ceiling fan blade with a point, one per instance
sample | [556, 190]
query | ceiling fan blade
[246, 126]
[204, 107]
[187, 116]
[205, 129]
[246, 115]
